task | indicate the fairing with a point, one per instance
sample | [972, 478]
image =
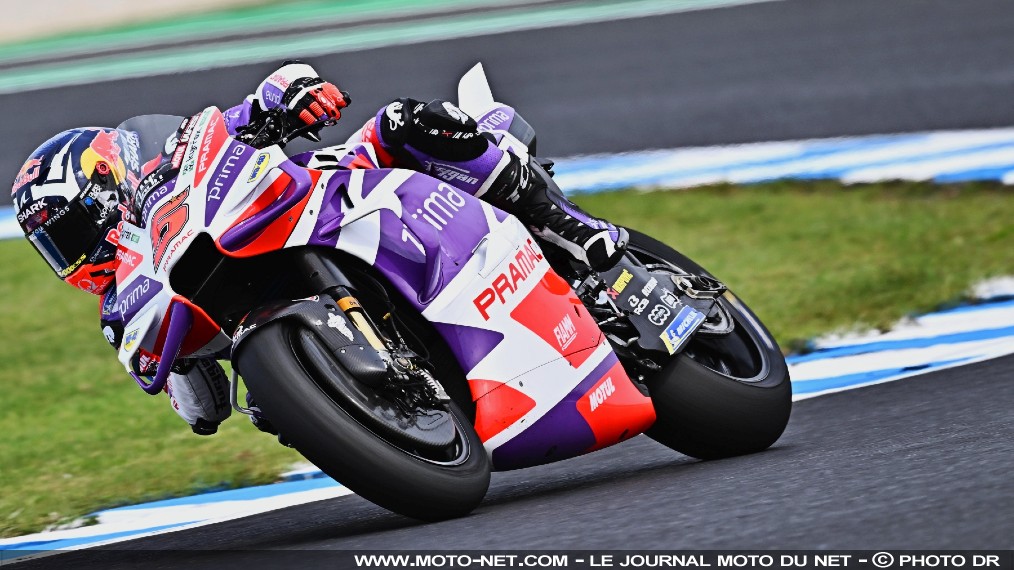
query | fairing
[546, 383]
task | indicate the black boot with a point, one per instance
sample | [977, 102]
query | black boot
[522, 191]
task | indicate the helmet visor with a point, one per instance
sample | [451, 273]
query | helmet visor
[66, 239]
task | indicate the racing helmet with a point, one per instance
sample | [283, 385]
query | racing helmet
[68, 196]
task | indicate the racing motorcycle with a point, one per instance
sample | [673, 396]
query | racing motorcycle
[408, 338]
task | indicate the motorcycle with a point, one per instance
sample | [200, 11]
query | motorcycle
[408, 338]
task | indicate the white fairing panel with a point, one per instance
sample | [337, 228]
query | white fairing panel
[474, 94]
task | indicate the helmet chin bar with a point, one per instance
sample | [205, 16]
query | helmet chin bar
[105, 191]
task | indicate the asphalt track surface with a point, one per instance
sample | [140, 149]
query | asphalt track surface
[769, 71]
[922, 463]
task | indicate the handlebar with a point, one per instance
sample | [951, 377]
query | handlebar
[277, 128]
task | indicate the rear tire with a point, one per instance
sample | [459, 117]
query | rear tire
[722, 396]
[308, 411]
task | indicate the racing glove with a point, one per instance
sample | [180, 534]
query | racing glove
[296, 87]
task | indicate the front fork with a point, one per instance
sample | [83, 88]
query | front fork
[399, 369]
[325, 277]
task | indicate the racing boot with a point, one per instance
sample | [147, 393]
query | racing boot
[262, 423]
[522, 191]
[199, 392]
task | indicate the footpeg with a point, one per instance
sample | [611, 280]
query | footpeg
[704, 289]
[699, 286]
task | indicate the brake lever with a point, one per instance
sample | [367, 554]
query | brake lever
[309, 131]
[275, 129]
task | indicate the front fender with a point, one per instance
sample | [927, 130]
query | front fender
[321, 315]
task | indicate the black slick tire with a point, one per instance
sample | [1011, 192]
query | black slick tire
[385, 472]
[711, 414]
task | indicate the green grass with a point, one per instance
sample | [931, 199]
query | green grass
[76, 435]
[811, 258]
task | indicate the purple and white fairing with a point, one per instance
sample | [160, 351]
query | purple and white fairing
[469, 268]
[441, 248]
[418, 231]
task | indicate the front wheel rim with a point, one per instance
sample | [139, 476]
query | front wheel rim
[455, 454]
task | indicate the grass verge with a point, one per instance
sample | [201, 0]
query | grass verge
[816, 257]
[77, 436]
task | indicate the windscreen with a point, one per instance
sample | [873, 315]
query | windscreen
[152, 132]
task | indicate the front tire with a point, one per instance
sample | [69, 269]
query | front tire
[722, 396]
[282, 370]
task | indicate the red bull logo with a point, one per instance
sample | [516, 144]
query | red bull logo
[106, 146]
[28, 173]
[103, 154]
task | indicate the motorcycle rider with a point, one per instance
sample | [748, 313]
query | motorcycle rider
[76, 188]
